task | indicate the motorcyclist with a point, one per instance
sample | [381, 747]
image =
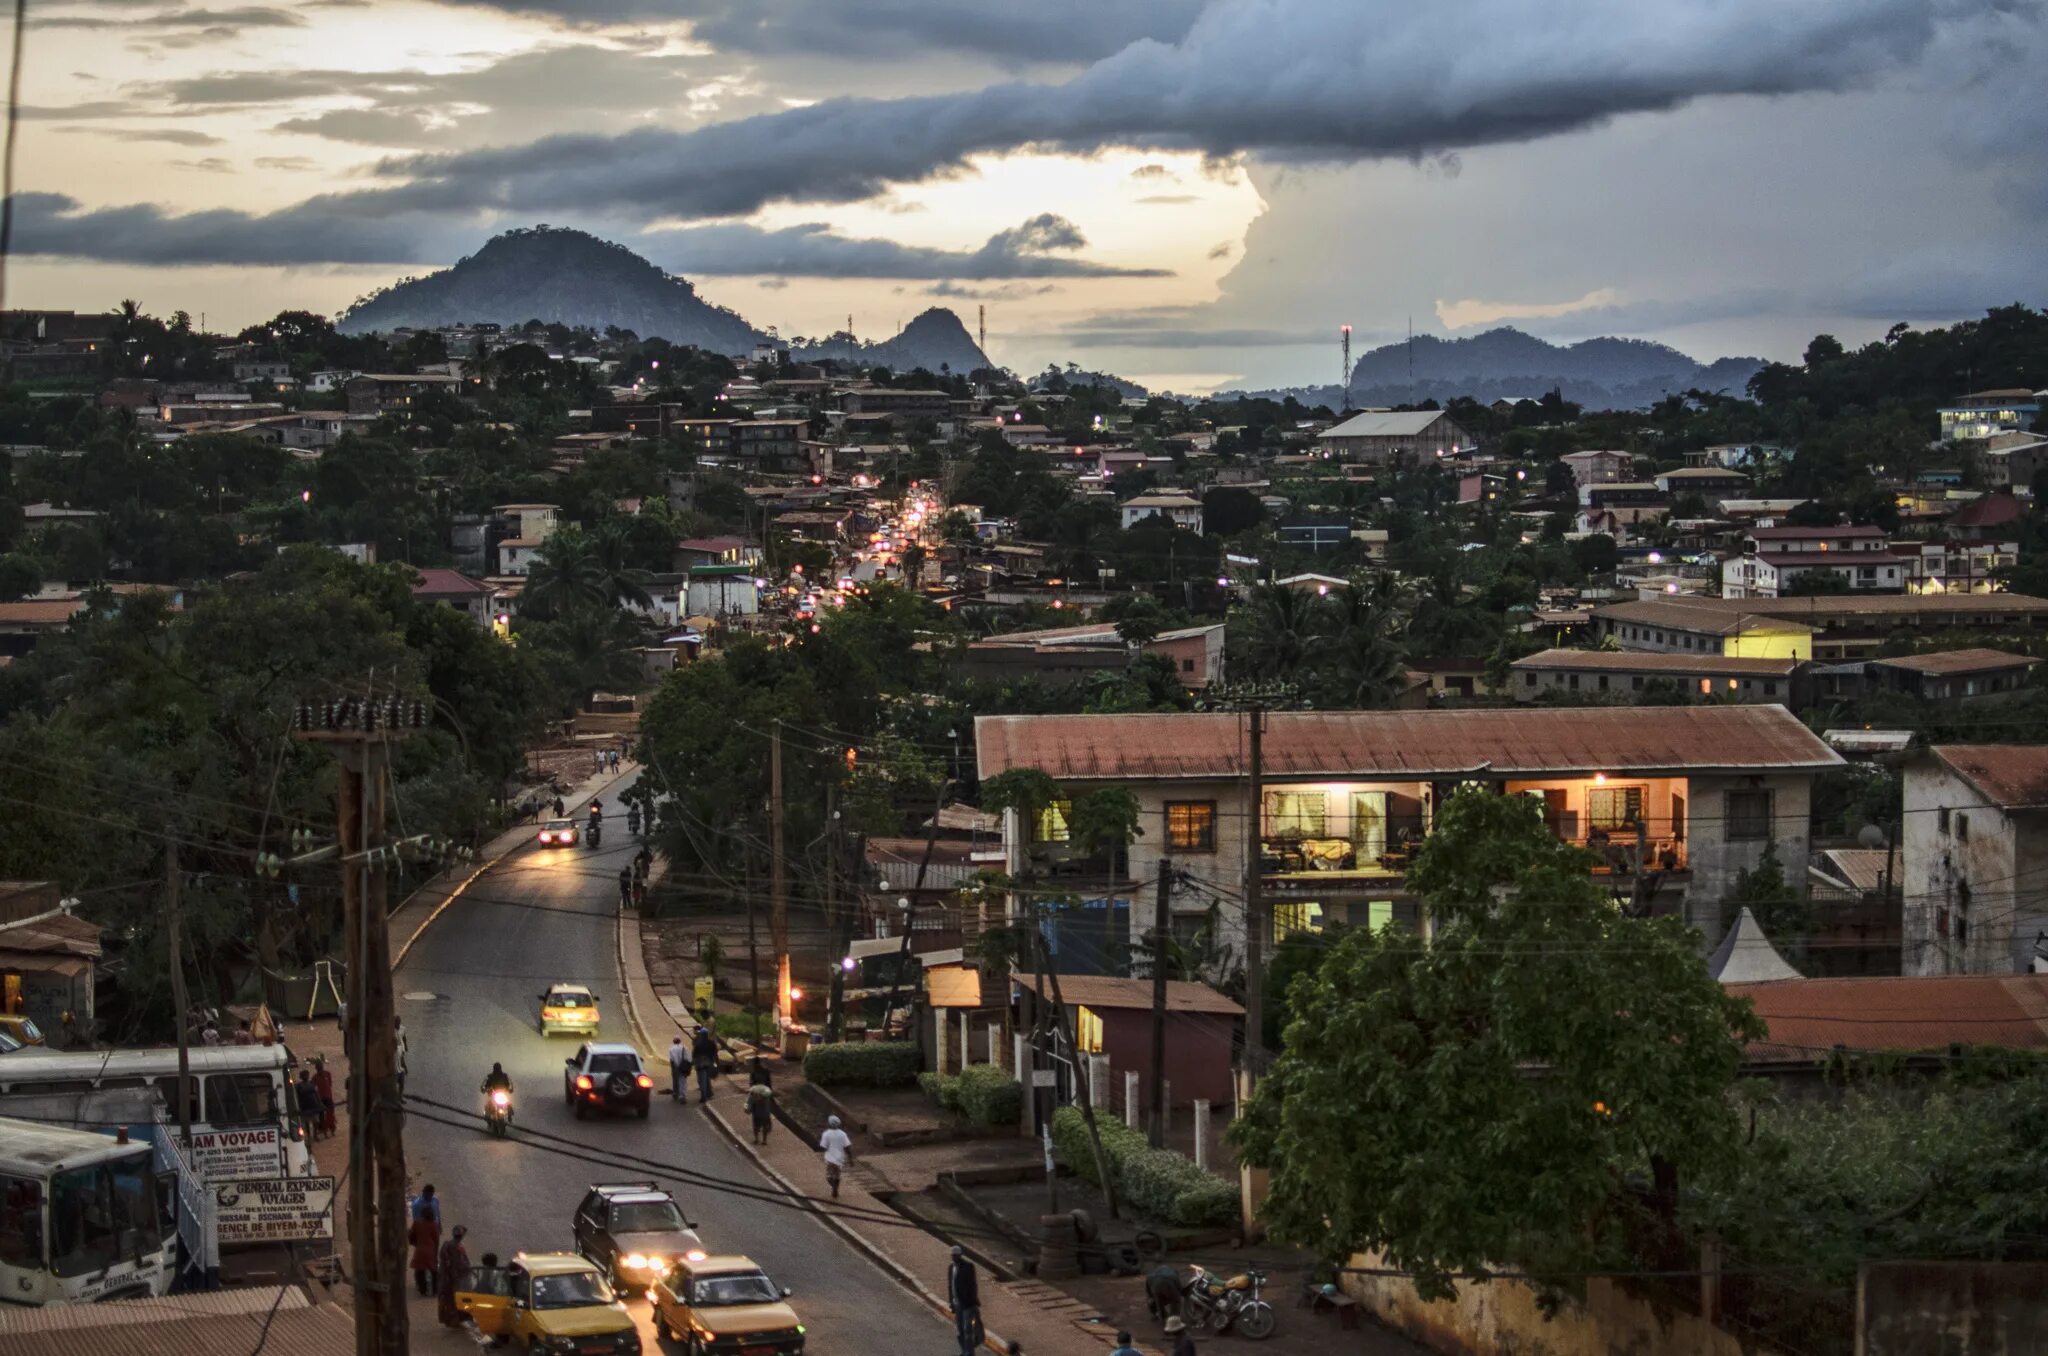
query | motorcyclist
[596, 811]
[496, 1078]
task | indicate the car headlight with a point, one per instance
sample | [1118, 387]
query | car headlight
[633, 1261]
[657, 1262]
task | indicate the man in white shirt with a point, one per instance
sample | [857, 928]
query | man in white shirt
[679, 1067]
[837, 1147]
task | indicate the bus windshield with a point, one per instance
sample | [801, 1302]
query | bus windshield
[104, 1213]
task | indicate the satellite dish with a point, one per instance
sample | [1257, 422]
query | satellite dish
[1871, 836]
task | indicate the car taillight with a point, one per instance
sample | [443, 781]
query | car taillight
[644, 1081]
[583, 1082]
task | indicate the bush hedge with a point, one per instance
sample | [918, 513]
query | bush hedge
[1160, 1183]
[988, 1096]
[942, 1089]
[862, 1064]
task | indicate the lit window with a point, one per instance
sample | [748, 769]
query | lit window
[1052, 823]
[1296, 814]
[1191, 826]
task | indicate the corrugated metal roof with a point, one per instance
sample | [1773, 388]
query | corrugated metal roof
[1701, 616]
[1809, 1017]
[2010, 775]
[1860, 869]
[1958, 661]
[1391, 424]
[1626, 661]
[1403, 744]
[60, 934]
[1110, 992]
[211, 1304]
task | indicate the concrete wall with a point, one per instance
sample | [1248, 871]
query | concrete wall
[1952, 1309]
[1716, 861]
[1489, 1318]
[1937, 862]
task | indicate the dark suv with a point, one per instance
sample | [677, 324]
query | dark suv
[606, 1077]
[635, 1231]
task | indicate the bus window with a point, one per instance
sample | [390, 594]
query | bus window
[84, 1233]
[21, 1222]
[240, 1099]
[139, 1212]
[167, 1088]
[30, 1089]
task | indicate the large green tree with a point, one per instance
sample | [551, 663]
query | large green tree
[1501, 1094]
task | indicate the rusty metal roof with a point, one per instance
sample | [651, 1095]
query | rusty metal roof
[180, 1325]
[1641, 661]
[2010, 775]
[1112, 993]
[1809, 1017]
[1959, 661]
[1404, 745]
[1701, 616]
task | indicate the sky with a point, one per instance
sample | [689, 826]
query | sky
[1189, 193]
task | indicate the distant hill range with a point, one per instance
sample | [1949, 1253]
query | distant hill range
[936, 340]
[561, 276]
[1604, 373]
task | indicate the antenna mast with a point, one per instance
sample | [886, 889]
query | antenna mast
[1411, 360]
[981, 328]
[1346, 330]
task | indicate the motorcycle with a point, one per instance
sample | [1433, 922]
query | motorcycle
[498, 1111]
[1208, 1300]
[595, 833]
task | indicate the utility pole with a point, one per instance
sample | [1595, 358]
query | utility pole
[361, 733]
[778, 882]
[1156, 1128]
[1065, 1026]
[1254, 903]
[172, 928]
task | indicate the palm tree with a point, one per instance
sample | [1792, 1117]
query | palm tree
[1283, 635]
[1364, 623]
[624, 584]
[565, 577]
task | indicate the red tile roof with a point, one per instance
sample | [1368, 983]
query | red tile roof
[1404, 744]
[40, 611]
[1990, 510]
[1809, 1017]
[435, 582]
[2011, 775]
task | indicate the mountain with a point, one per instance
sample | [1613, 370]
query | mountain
[936, 339]
[555, 275]
[1604, 373]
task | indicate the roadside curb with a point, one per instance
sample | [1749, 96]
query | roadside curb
[867, 1247]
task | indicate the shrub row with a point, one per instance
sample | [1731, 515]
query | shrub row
[1160, 1183]
[862, 1064]
[983, 1095]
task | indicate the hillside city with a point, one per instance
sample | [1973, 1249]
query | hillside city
[1493, 871]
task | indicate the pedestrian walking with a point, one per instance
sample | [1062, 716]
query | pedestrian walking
[323, 1083]
[704, 1054]
[757, 1072]
[399, 1040]
[452, 1276]
[837, 1147]
[1123, 1346]
[679, 1069]
[761, 1110]
[963, 1297]
[424, 1236]
[308, 1098]
[1183, 1340]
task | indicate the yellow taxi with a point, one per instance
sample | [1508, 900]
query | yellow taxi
[549, 1304]
[569, 1007]
[725, 1306]
[21, 1027]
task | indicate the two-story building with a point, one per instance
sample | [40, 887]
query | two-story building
[1599, 467]
[1681, 624]
[1772, 574]
[1181, 510]
[1074, 653]
[1685, 797]
[1984, 414]
[1974, 859]
[1635, 674]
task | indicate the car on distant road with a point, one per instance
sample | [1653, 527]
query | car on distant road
[607, 1077]
[559, 833]
[633, 1231]
[719, 1305]
[568, 1007]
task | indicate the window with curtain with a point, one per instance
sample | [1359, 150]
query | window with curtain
[1191, 825]
[1369, 823]
[1614, 807]
[1292, 918]
[1748, 816]
[1296, 814]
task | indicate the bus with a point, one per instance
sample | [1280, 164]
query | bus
[245, 1122]
[83, 1217]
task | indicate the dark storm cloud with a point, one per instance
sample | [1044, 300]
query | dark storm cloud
[1290, 81]
[1039, 248]
[1068, 31]
[57, 225]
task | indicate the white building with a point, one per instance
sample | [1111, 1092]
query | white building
[1769, 575]
[1974, 859]
[1179, 509]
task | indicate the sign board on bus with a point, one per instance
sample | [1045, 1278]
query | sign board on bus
[249, 1154]
[274, 1210]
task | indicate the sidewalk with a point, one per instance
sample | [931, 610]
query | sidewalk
[1027, 1313]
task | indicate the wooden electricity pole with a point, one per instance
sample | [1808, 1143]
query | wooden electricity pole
[1254, 903]
[1162, 924]
[186, 1091]
[361, 734]
[778, 879]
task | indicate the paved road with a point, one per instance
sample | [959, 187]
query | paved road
[467, 993]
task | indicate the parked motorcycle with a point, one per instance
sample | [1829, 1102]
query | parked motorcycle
[498, 1111]
[1208, 1300]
